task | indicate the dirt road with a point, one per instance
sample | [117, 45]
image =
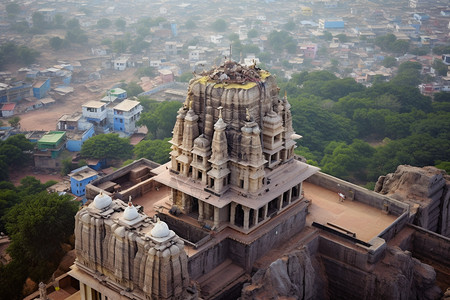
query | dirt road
[47, 118]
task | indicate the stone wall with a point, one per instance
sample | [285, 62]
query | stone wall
[357, 193]
[246, 254]
[206, 260]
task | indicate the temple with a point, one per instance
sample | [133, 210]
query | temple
[235, 202]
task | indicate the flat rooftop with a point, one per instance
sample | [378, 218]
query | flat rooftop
[93, 104]
[126, 105]
[356, 217]
[52, 137]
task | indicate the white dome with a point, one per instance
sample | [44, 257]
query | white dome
[102, 201]
[160, 230]
[130, 212]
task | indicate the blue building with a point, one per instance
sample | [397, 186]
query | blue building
[75, 139]
[331, 24]
[79, 178]
[41, 88]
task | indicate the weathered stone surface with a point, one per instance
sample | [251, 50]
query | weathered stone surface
[290, 277]
[426, 188]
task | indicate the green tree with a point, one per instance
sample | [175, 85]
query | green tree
[252, 33]
[14, 122]
[185, 77]
[73, 24]
[233, 37]
[56, 42]
[190, 24]
[342, 38]
[40, 219]
[155, 150]
[290, 25]
[327, 36]
[120, 24]
[104, 23]
[59, 21]
[119, 46]
[161, 119]
[132, 88]
[38, 21]
[107, 146]
[389, 62]
[219, 25]
[442, 97]
[440, 67]
[279, 39]
[13, 8]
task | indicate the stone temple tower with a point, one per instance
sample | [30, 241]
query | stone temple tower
[123, 254]
[232, 159]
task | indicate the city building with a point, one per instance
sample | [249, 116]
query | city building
[79, 178]
[126, 113]
[49, 147]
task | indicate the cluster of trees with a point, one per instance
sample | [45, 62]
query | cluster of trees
[338, 117]
[37, 222]
[390, 43]
[14, 152]
[12, 53]
[74, 35]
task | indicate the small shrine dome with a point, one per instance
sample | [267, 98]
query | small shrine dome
[160, 230]
[102, 201]
[130, 212]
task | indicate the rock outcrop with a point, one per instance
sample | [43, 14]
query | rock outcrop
[401, 276]
[296, 276]
[426, 190]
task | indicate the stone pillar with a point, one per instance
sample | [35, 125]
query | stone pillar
[232, 213]
[266, 209]
[173, 195]
[200, 211]
[183, 202]
[290, 196]
[246, 217]
[216, 217]
[255, 217]
[280, 202]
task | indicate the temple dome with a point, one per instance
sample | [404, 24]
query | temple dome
[160, 230]
[201, 142]
[102, 201]
[130, 212]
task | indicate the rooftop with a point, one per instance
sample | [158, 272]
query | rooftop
[52, 137]
[352, 216]
[83, 173]
[94, 104]
[126, 105]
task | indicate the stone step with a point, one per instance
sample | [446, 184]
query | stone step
[219, 278]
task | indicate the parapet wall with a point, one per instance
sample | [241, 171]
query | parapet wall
[360, 194]
[245, 254]
[431, 245]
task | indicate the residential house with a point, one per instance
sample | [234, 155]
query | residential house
[126, 114]
[41, 88]
[7, 109]
[170, 48]
[15, 91]
[79, 178]
[76, 138]
[93, 112]
[165, 75]
[69, 122]
[121, 63]
[216, 39]
[308, 50]
[49, 147]
[331, 24]
[118, 93]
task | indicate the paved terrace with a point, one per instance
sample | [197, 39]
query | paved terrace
[359, 218]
